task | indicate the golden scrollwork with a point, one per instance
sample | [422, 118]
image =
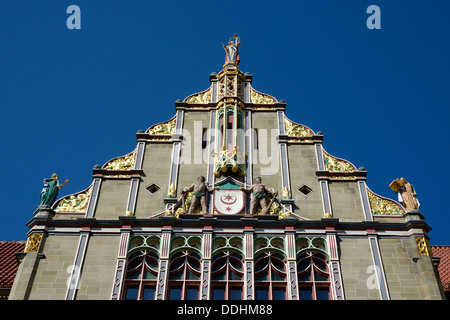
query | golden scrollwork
[261, 98]
[383, 206]
[33, 242]
[201, 98]
[75, 203]
[334, 164]
[165, 128]
[424, 246]
[122, 163]
[297, 130]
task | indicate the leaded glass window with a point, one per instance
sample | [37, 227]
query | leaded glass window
[313, 276]
[227, 276]
[141, 275]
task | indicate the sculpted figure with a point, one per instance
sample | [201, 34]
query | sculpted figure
[406, 194]
[258, 196]
[199, 197]
[50, 190]
[231, 50]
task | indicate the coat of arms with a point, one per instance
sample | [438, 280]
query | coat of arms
[228, 201]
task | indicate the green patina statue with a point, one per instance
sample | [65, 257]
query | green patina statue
[50, 191]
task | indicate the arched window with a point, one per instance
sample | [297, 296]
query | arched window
[141, 275]
[184, 276]
[313, 276]
[270, 276]
[227, 276]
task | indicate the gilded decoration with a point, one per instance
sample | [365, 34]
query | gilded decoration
[334, 164]
[261, 98]
[122, 163]
[75, 203]
[165, 128]
[382, 206]
[297, 130]
[286, 193]
[33, 242]
[171, 191]
[225, 159]
[424, 246]
[200, 98]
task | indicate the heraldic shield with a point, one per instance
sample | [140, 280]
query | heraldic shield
[229, 201]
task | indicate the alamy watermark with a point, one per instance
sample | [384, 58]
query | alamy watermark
[373, 281]
[74, 20]
[73, 280]
[202, 145]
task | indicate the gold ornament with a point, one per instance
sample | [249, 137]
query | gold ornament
[74, 203]
[261, 98]
[334, 164]
[201, 98]
[122, 163]
[424, 246]
[171, 191]
[33, 242]
[383, 206]
[165, 128]
[297, 130]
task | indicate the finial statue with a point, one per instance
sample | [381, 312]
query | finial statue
[258, 196]
[232, 50]
[406, 194]
[50, 191]
[199, 197]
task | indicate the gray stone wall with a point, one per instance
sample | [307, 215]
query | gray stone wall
[194, 159]
[156, 167]
[267, 157]
[409, 275]
[346, 200]
[356, 258]
[97, 273]
[50, 282]
[302, 167]
[112, 199]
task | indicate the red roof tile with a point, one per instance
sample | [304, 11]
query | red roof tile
[8, 261]
[444, 265]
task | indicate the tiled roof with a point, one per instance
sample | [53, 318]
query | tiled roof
[8, 261]
[444, 265]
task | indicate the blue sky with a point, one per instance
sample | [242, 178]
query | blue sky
[72, 99]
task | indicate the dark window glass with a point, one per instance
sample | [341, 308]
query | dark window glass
[218, 293]
[132, 293]
[175, 293]
[305, 294]
[262, 294]
[192, 293]
[323, 293]
[235, 293]
[279, 294]
[148, 294]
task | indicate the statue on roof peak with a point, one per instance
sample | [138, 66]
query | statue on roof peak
[231, 50]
